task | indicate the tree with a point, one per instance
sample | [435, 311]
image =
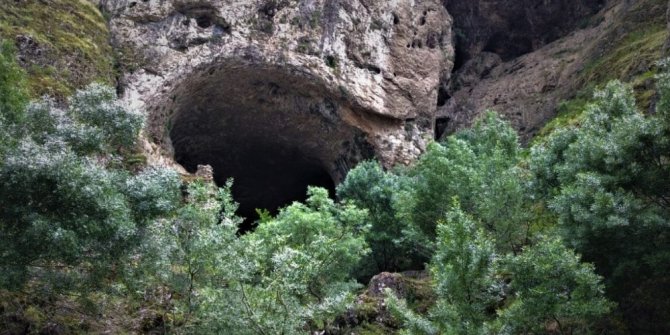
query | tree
[369, 186]
[67, 214]
[552, 289]
[606, 180]
[462, 268]
[289, 276]
[480, 167]
[542, 288]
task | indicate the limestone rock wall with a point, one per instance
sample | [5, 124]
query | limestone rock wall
[623, 41]
[511, 28]
[376, 64]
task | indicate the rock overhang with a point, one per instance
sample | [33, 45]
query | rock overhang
[384, 59]
[327, 83]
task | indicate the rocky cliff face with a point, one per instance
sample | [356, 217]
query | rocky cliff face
[622, 41]
[340, 80]
[511, 28]
[280, 94]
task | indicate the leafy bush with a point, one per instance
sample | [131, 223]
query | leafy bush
[606, 180]
[544, 287]
[462, 268]
[369, 186]
[66, 212]
[552, 290]
[289, 276]
[479, 166]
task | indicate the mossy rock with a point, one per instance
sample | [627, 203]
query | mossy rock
[369, 314]
[62, 44]
[630, 55]
[632, 48]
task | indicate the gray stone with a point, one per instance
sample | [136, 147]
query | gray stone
[333, 78]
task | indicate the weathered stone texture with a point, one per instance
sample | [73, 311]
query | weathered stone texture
[370, 69]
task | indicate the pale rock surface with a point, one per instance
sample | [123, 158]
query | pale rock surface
[351, 79]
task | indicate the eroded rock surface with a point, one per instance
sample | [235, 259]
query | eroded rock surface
[334, 81]
[622, 41]
[370, 313]
[511, 28]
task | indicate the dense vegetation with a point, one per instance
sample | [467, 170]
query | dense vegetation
[570, 236]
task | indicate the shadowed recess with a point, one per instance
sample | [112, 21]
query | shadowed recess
[273, 132]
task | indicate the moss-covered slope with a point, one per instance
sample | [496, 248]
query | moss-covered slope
[628, 52]
[63, 44]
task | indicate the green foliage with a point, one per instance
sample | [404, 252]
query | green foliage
[65, 44]
[552, 290]
[152, 192]
[369, 186]
[93, 123]
[479, 166]
[184, 257]
[289, 276]
[326, 238]
[107, 123]
[544, 287]
[13, 96]
[73, 220]
[67, 215]
[305, 257]
[636, 50]
[462, 270]
[606, 182]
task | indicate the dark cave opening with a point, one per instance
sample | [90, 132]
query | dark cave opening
[266, 176]
[274, 133]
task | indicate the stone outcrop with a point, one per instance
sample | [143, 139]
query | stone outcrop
[370, 312]
[336, 82]
[339, 81]
[281, 94]
[622, 41]
[511, 28]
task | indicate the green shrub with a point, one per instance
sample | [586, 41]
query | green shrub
[369, 186]
[289, 276]
[479, 166]
[66, 214]
[606, 182]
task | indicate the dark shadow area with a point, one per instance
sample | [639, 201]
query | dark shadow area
[508, 47]
[266, 176]
[514, 28]
[273, 132]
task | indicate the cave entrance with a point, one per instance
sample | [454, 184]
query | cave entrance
[273, 132]
[266, 175]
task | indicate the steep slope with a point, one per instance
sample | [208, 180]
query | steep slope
[63, 44]
[623, 41]
[511, 28]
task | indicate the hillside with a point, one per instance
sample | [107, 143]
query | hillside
[334, 167]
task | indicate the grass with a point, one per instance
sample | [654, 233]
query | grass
[630, 58]
[570, 113]
[635, 53]
[73, 40]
